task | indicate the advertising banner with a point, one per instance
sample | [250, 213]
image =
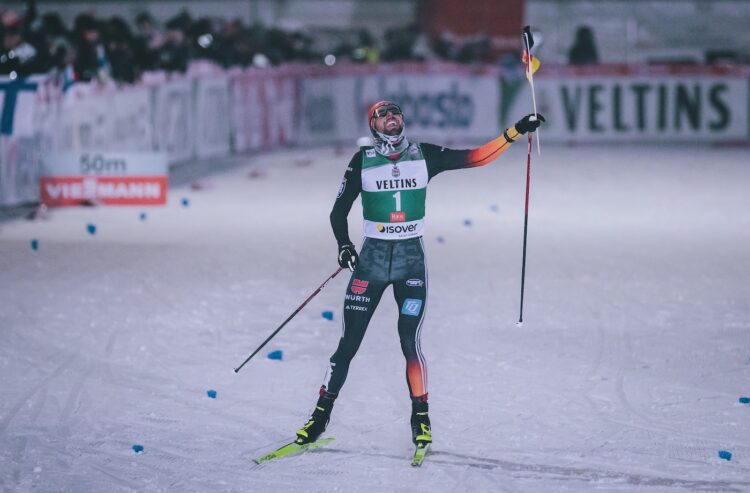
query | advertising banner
[213, 113]
[635, 108]
[211, 116]
[174, 119]
[20, 141]
[131, 124]
[111, 178]
[436, 106]
[107, 118]
[263, 110]
[324, 117]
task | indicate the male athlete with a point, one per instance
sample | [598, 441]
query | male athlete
[392, 177]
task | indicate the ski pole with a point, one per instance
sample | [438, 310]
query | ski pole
[528, 42]
[320, 288]
[525, 229]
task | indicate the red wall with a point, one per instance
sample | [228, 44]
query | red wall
[497, 18]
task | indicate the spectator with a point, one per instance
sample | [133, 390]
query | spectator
[446, 46]
[104, 50]
[423, 49]
[400, 43]
[583, 51]
[174, 54]
[64, 56]
[120, 51]
[476, 49]
[200, 39]
[147, 41]
[302, 46]
[365, 52]
[279, 47]
[53, 40]
[231, 45]
[91, 61]
[16, 54]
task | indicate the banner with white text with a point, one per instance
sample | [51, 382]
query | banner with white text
[104, 177]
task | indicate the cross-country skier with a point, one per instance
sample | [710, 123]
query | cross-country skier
[392, 177]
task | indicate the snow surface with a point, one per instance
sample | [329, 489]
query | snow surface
[625, 375]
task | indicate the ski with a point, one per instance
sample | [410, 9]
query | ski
[419, 454]
[292, 448]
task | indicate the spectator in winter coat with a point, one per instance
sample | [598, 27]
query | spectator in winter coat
[583, 51]
[91, 58]
[17, 56]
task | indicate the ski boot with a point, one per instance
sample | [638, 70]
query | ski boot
[318, 421]
[421, 434]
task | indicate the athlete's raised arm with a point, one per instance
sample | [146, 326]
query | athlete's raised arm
[441, 159]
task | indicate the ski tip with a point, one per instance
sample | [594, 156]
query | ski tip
[419, 455]
[519, 324]
[265, 458]
[292, 448]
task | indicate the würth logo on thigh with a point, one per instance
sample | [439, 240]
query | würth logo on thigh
[359, 286]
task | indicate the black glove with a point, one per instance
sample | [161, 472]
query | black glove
[348, 257]
[529, 123]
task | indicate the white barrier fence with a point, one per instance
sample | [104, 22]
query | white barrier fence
[210, 113]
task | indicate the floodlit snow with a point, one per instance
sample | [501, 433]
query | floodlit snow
[625, 375]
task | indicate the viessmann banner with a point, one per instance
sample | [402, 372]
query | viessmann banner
[636, 108]
[112, 178]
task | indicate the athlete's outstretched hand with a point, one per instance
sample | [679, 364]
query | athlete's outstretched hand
[348, 257]
[529, 123]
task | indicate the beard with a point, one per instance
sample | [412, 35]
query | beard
[393, 130]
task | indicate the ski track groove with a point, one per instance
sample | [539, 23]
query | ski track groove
[596, 474]
[535, 471]
[20, 448]
[619, 360]
[124, 483]
[41, 391]
[567, 473]
[42, 384]
[72, 402]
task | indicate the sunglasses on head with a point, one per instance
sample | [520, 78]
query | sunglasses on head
[384, 110]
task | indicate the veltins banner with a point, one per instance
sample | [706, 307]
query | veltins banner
[636, 108]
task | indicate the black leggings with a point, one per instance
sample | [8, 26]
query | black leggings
[384, 262]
